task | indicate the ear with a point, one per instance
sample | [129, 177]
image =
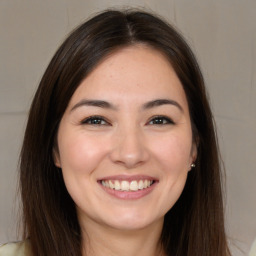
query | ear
[194, 152]
[193, 155]
[56, 157]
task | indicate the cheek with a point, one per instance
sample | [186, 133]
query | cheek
[80, 154]
[80, 157]
[173, 152]
[172, 157]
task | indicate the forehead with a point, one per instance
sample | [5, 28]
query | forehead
[133, 73]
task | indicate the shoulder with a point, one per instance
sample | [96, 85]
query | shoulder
[15, 249]
[253, 249]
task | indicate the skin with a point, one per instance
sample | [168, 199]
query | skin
[128, 140]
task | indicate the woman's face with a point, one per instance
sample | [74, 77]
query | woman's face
[125, 141]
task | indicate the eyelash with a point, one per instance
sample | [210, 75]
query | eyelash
[89, 120]
[162, 120]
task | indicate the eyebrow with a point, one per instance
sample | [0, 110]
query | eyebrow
[94, 103]
[160, 102]
[107, 105]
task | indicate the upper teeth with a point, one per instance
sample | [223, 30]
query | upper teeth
[125, 185]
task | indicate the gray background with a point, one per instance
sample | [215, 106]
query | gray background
[221, 32]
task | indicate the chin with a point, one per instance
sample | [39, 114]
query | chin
[129, 222]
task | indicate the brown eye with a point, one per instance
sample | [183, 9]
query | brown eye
[95, 120]
[161, 120]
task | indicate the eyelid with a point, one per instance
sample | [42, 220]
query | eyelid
[169, 120]
[85, 120]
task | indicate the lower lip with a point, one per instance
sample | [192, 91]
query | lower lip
[129, 195]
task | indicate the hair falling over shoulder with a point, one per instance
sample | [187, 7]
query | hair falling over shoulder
[195, 225]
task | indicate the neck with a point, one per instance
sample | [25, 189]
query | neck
[104, 240]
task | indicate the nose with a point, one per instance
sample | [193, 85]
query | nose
[129, 148]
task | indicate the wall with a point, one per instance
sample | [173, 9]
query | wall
[221, 32]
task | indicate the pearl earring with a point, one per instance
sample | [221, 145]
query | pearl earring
[193, 165]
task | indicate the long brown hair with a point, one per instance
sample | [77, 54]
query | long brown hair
[195, 224]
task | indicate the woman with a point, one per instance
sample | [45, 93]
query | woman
[120, 154]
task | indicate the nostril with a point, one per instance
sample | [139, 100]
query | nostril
[129, 153]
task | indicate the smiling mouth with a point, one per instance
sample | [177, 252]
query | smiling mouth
[125, 185]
